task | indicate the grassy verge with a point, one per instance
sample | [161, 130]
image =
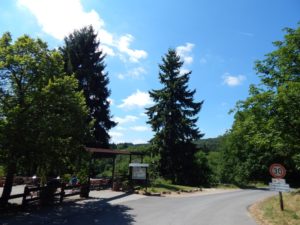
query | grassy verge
[245, 186]
[268, 211]
[158, 188]
[161, 185]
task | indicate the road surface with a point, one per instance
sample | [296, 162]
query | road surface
[108, 208]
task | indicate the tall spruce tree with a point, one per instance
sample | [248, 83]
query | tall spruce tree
[173, 119]
[83, 58]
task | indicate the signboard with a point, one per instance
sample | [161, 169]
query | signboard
[279, 187]
[139, 171]
[277, 170]
[278, 181]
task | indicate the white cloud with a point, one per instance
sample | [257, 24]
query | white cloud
[111, 101]
[135, 73]
[137, 99]
[119, 128]
[107, 50]
[121, 76]
[188, 60]
[59, 18]
[115, 134]
[140, 128]
[116, 137]
[126, 119]
[134, 55]
[139, 141]
[184, 52]
[143, 114]
[231, 80]
[184, 71]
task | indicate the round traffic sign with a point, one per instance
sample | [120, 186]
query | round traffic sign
[277, 170]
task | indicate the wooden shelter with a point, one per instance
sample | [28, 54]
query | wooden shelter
[112, 153]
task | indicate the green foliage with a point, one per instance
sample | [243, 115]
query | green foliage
[42, 115]
[102, 167]
[83, 58]
[61, 129]
[173, 119]
[202, 171]
[214, 160]
[122, 167]
[83, 175]
[66, 177]
[26, 66]
[266, 129]
[2, 172]
[209, 144]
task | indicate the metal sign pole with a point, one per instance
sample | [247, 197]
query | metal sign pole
[281, 201]
[278, 184]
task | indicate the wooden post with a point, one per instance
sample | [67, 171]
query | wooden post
[113, 172]
[26, 192]
[62, 193]
[91, 165]
[281, 201]
[129, 169]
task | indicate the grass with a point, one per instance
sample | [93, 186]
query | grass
[161, 185]
[268, 211]
[252, 185]
[158, 188]
[226, 186]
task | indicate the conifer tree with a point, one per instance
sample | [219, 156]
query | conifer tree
[173, 119]
[83, 57]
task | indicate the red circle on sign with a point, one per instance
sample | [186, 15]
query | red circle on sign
[277, 170]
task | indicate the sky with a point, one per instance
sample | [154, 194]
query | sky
[219, 41]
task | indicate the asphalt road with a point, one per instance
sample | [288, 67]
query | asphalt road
[218, 209]
[121, 209]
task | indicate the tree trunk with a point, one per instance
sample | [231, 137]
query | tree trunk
[9, 179]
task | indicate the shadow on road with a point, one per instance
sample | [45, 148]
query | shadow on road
[91, 211]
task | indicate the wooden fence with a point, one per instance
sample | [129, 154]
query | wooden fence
[32, 194]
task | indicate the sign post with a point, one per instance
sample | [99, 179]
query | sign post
[278, 184]
[139, 172]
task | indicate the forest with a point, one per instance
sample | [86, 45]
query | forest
[54, 102]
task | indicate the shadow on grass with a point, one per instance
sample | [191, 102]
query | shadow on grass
[90, 211]
[252, 187]
[167, 186]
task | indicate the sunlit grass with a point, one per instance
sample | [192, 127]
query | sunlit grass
[270, 212]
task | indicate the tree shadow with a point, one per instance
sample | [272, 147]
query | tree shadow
[91, 211]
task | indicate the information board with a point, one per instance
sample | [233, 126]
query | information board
[139, 173]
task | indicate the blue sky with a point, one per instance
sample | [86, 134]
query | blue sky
[218, 40]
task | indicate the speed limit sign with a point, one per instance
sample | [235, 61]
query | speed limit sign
[277, 170]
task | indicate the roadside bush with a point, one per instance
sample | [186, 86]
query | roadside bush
[161, 180]
[66, 178]
[2, 173]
